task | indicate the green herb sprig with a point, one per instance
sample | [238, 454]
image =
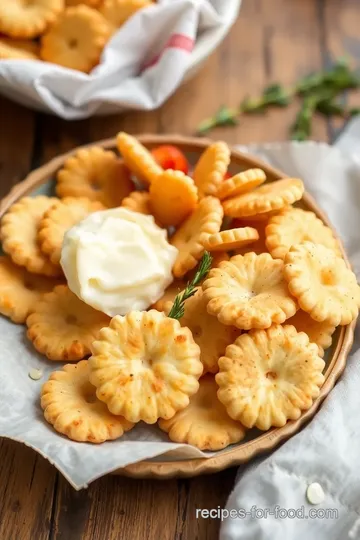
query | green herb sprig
[178, 307]
[318, 93]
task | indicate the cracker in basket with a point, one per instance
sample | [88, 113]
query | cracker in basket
[204, 423]
[269, 376]
[266, 198]
[318, 332]
[20, 49]
[173, 196]
[77, 39]
[191, 235]
[20, 291]
[138, 158]
[211, 336]
[231, 239]
[241, 183]
[249, 292]
[145, 366]
[293, 226]
[70, 405]
[117, 12]
[19, 229]
[60, 218]
[169, 295]
[63, 327]
[322, 283]
[97, 174]
[211, 168]
[28, 19]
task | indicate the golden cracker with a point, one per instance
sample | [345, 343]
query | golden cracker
[293, 226]
[77, 39]
[145, 366]
[267, 198]
[138, 158]
[191, 235]
[62, 327]
[96, 174]
[70, 405]
[20, 290]
[249, 292]
[241, 183]
[322, 283]
[26, 20]
[19, 228]
[211, 168]
[269, 376]
[59, 219]
[231, 239]
[173, 196]
[204, 423]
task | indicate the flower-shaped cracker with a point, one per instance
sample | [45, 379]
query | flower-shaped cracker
[241, 183]
[58, 219]
[20, 291]
[138, 158]
[19, 229]
[97, 174]
[173, 196]
[266, 198]
[231, 239]
[293, 226]
[77, 39]
[249, 292]
[211, 336]
[269, 376]
[62, 327]
[145, 366]
[28, 19]
[211, 168]
[70, 404]
[204, 423]
[190, 237]
[322, 283]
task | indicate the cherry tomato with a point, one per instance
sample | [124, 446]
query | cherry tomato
[170, 157]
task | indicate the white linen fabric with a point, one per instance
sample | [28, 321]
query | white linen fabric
[141, 66]
[327, 451]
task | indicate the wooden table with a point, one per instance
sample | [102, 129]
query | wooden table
[274, 40]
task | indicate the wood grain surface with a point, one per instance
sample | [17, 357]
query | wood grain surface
[275, 40]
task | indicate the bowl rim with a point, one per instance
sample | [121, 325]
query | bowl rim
[234, 455]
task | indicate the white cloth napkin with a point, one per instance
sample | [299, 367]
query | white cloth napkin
[141, 66]
[327, 451]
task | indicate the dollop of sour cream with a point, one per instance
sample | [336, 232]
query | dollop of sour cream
[118, 260]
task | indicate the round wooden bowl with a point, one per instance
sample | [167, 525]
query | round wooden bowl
[168, 465]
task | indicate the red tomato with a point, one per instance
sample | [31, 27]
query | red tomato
[170, 157]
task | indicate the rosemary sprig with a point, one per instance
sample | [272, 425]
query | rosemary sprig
[318, 92]
[178, 307]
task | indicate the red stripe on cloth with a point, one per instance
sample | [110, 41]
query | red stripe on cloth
[176, 41]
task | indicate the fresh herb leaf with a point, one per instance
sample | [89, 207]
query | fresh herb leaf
[223, 117]
[178, 307]
[318, 92]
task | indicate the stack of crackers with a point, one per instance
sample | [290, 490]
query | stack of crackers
[71, 33]
[248, 349]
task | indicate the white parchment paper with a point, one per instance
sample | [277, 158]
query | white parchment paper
[141, 66]
[322, 167]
